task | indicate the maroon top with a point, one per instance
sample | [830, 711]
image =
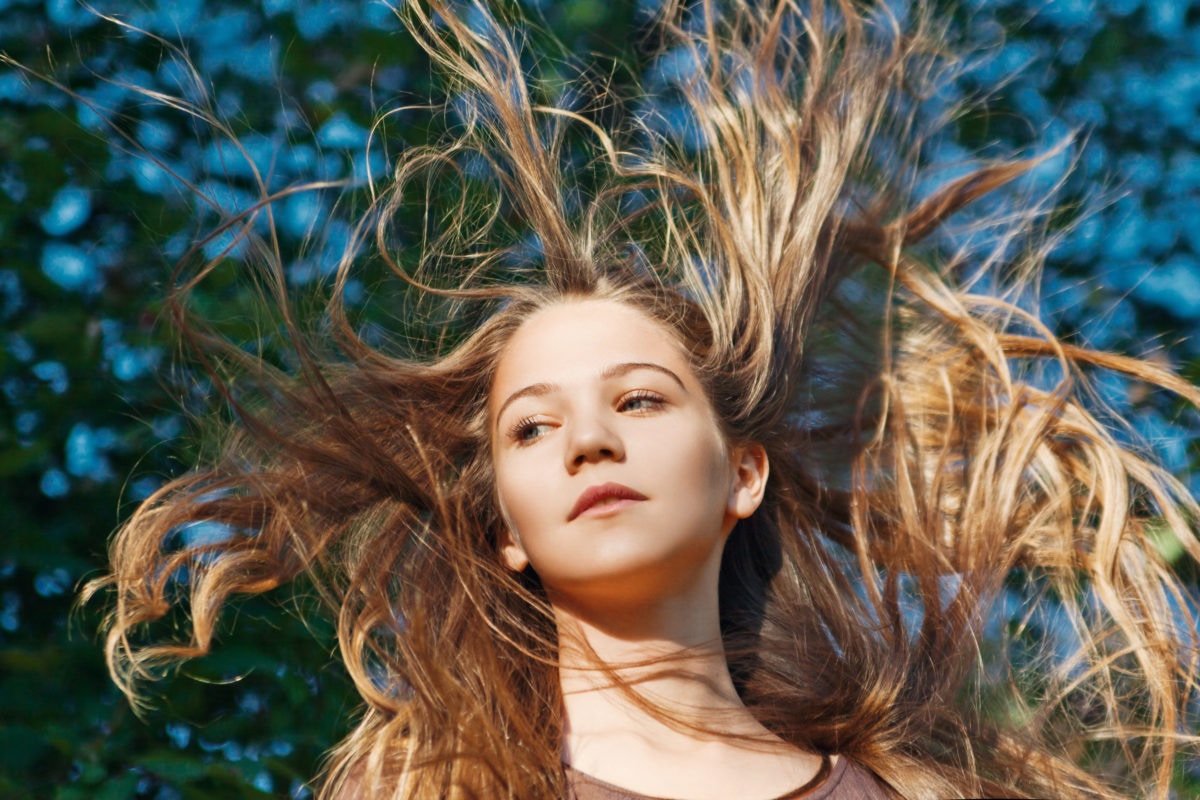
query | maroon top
[844, 780]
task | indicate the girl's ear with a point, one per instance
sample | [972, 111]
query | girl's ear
[749, 480]
[511, 551]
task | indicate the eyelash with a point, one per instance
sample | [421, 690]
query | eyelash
[654, 398]
[520, 430]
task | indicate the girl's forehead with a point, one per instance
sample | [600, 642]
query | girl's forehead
[578, 339]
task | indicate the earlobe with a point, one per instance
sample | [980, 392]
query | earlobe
[750, 479]
[512, 552]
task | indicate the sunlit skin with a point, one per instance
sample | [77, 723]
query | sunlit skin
[619, 490]
[589, 395]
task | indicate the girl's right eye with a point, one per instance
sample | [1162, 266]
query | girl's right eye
[528, 430]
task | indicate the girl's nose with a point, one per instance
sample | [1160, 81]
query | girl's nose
[592, 440]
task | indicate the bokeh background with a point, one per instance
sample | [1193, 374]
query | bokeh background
[103, 189]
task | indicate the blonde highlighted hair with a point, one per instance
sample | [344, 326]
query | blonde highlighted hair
[919, 471]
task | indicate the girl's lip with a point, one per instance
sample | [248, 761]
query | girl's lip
[599, 493]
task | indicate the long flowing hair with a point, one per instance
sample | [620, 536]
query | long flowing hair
[926, 464]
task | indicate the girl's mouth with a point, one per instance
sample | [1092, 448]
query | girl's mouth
[604, 498]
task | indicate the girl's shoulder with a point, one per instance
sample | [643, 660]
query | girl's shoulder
[847, 780]
[844, 780]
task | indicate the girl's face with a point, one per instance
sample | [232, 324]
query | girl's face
[613, 477]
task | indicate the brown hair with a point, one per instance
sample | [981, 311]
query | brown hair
[919, 469]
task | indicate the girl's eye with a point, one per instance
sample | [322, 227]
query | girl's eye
[528, 430]
[641, 400]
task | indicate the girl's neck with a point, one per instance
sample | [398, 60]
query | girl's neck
[655, 676]
[656, 713]
[649, 703]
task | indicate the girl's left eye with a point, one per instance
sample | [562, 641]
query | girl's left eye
[641, 400]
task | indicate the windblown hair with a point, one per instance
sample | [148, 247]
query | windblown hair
[923, 467]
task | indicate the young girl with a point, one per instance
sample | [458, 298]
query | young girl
[713, 483]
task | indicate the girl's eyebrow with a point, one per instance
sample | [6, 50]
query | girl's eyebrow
[617, 370]
[614, 371]
[533, 390]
